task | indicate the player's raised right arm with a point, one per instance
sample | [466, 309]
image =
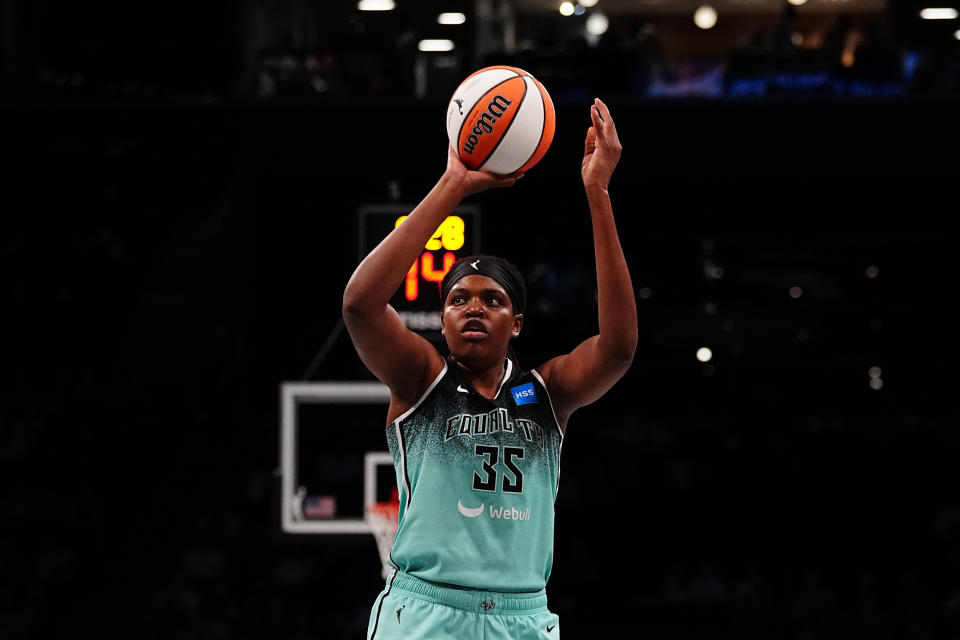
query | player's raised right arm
[400, 358]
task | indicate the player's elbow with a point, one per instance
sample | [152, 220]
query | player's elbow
[354, 304]
[619, 350]
[625, 352]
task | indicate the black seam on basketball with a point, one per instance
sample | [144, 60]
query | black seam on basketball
[486, 91]
[376, 620]
[509, 124]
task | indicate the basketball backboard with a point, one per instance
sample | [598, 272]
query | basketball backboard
[332, 459]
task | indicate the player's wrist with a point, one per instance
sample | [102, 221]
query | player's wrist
[596, 188]
[454, 184]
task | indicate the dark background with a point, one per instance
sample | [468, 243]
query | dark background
[176, 238]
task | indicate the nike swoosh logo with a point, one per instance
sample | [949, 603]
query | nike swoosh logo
[549, 629]
[470, 513]
[461, 389]
[474, 264]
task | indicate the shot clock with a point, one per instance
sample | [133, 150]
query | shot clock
[417, 300]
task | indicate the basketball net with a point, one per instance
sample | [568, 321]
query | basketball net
[382, 518]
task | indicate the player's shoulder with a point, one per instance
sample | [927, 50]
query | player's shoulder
[544, 376]
[527, 382]
[544, 371]
[403, 405]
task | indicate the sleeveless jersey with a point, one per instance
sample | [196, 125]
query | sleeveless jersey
[477, 479]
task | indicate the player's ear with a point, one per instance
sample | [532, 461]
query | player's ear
[517, 324]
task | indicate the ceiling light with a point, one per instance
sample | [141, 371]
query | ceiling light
[597, 23]
[435, 45]
[566, 8]
[451, 18]
[941, 13]
[376, 5]
[705, 16]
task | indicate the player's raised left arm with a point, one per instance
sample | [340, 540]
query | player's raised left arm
[595, 365]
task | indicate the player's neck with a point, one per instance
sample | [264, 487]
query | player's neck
[486, 380]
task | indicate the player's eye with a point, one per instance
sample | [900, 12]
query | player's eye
[456, 300]
[494, 301]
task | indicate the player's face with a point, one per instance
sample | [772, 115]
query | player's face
[478, 318]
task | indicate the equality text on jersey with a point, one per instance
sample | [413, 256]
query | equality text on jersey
[495, 421]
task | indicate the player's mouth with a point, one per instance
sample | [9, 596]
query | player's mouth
[474, 330]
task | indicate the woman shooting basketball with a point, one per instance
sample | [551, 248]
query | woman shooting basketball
[475, 440]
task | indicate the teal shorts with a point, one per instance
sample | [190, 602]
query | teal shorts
[411, 609]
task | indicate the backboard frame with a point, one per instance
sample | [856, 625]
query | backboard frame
[331, 392]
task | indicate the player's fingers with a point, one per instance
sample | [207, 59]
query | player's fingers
[597, 122]
[609, 133]
[498, 180]
[600, 134]
[507, 181]
[603, 111]
[453, 159]
[590, 143]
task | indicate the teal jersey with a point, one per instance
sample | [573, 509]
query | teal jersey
[477, 479]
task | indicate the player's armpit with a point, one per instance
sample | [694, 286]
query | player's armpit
[582, 376]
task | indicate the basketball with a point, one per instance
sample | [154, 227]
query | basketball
[500, 119]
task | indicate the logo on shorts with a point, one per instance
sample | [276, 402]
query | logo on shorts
[398, 612]
[488, 604]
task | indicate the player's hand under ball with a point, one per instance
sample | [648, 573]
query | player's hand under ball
[470, 182]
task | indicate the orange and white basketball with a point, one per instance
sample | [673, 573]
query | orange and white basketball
[500, 119]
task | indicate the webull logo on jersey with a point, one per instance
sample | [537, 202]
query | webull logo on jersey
[498, 420]
[524, 394]
[497, 513]
[509, 513]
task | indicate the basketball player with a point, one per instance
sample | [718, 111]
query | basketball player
[475, 440]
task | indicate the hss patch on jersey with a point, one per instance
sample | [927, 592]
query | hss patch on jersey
[524, 394]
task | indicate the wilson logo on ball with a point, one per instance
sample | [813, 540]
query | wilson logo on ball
[495, 109]
[501, 119]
